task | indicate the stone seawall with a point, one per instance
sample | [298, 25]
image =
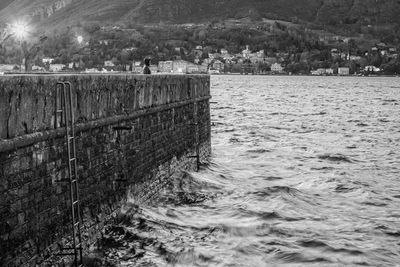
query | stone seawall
[133, 133]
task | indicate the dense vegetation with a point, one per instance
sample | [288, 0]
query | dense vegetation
[297, 48]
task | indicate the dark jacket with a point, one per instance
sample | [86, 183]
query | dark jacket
[146, 70]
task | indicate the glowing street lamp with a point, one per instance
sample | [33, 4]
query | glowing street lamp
[80, 39]
[19, 29]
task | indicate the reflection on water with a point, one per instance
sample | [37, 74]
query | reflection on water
[304, 171]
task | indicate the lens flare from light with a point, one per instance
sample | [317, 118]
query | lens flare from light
[20, 29]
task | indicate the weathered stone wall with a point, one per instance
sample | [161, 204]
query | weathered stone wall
[133, 132]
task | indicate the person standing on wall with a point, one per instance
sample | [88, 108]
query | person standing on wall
[146, 69]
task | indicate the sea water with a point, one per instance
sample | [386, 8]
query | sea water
[305, 171]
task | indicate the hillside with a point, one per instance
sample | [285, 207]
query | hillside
[64, 12]
[5, 3]
[51, 14]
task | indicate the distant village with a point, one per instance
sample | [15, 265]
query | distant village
[224, 62]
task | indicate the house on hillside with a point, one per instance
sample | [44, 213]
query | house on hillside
[218, 65]
[372, 69]
[109, 63]
[47, 60]
[355, 58]
[329, 71]
[56, 67]
[224, 51]
[192, 68]
[277, 68]
[7, 67]
[207, 61]
[165, 66]
[37, 68]
[343, 71]
[246, 53]
[179, 66]
[153, 68]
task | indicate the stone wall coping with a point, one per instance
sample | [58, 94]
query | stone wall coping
[56, 75]
[29, 139]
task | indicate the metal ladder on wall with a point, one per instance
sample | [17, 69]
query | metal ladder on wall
[64, 117]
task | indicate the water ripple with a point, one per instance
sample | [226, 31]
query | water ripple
[304, 172]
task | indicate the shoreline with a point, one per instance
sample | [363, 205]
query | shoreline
[307, 75]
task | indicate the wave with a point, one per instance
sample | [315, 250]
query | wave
[298, 257]
[276, 190]
[335, 157]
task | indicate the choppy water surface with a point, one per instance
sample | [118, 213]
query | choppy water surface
[305, 171]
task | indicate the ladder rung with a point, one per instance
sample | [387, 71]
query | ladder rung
[60, 111]
[72, 248]
[70, 138]
[75, 202]
[76, 224]
[72, 159]
[65, 254]
[63, 181]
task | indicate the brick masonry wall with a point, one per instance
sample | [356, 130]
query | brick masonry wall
[133, 133]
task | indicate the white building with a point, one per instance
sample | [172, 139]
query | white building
[329, 71]
[37, 68]
[372, 68]
[261, 54]
[109, 63]
[6, 67]
[180, 66]
[276, 67]
[193, 69]
[165, 66]
[47, 60]
[56, 67]
[92, 70]
[207, 61]
[354, 58]
[246, 53]
[343, 71]
[218, 65]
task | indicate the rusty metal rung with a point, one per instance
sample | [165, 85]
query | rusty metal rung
[63, 181]
[70, 248]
